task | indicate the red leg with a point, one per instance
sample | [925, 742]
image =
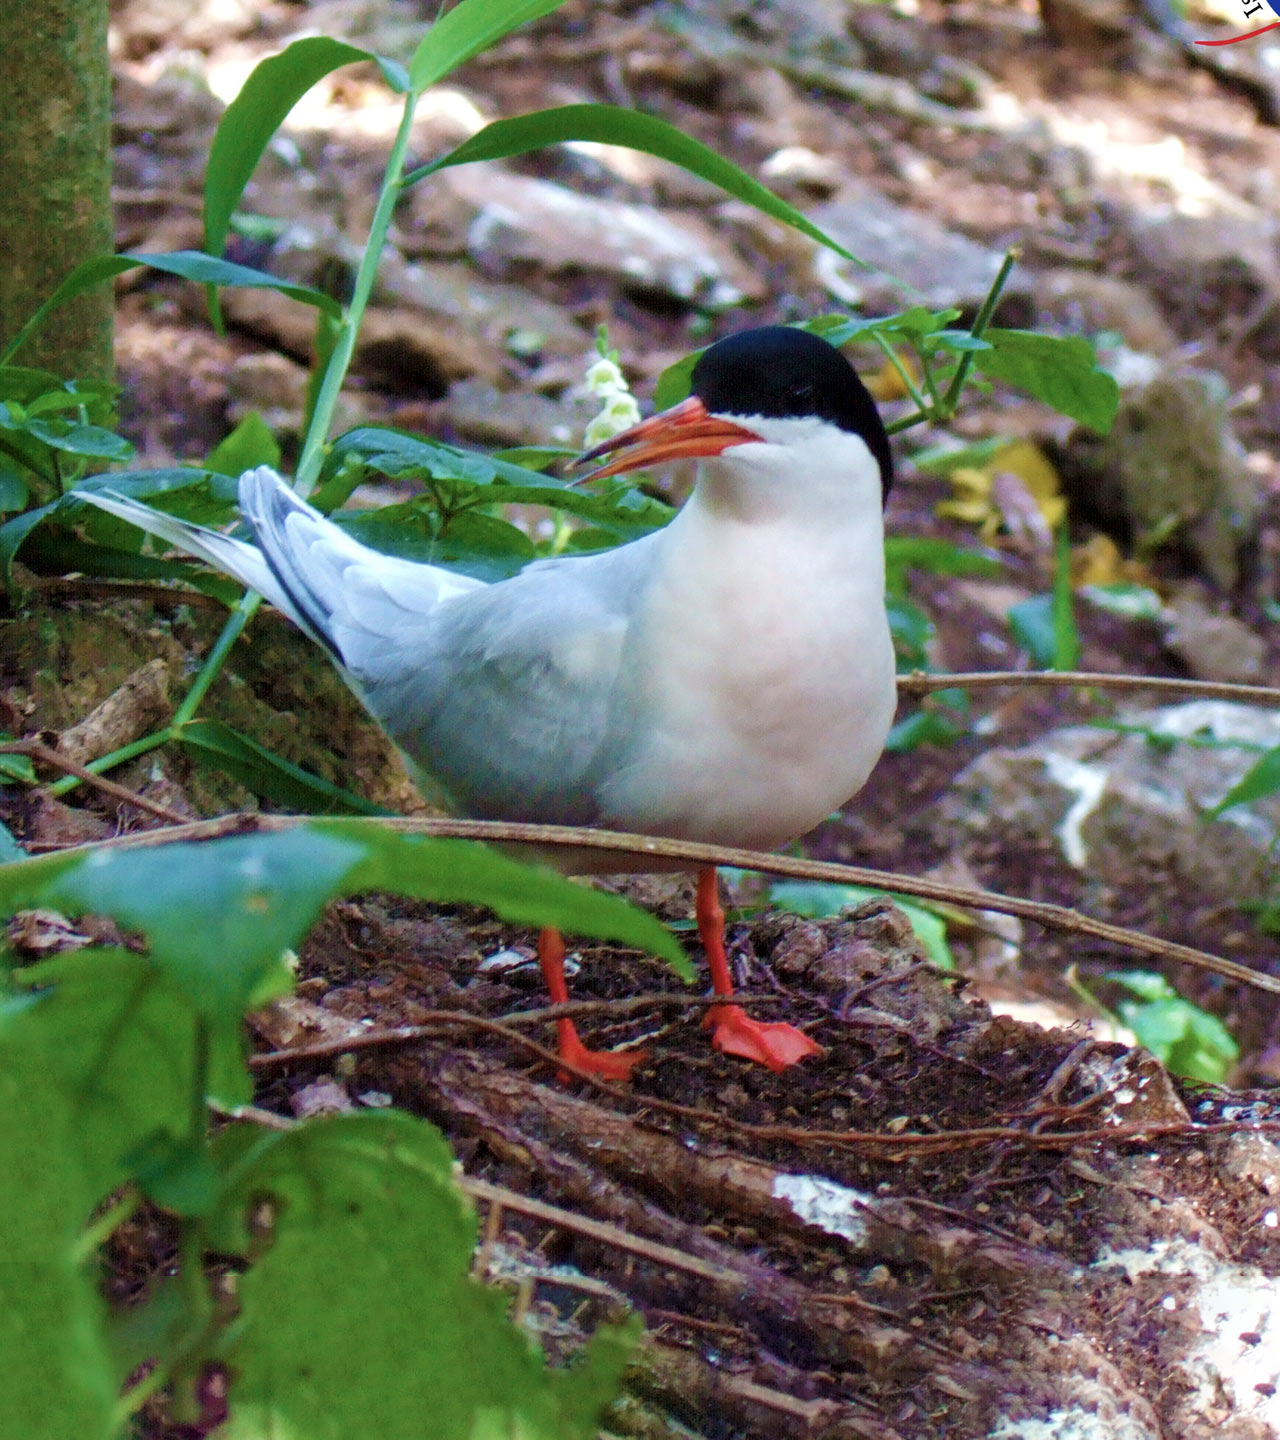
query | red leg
[609, 1064]
[734, 1032]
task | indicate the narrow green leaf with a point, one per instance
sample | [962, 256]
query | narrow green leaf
[1061, 370]
[615, 125]
[187, 264]
[1066, 634]
[1262, 780]
[213, 743]
[463, 32]
[254, 116]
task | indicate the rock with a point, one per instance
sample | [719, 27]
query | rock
[1215, 252]
[513, 221]
[496, 312]
[1083, 302]
[1213, 646]
[478, 414]
[1121, 807]
[911, 248]
[1171, 471]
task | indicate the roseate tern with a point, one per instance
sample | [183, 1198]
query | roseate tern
[727, 679]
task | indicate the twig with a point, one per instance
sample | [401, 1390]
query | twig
[920, 683]
[637, 852]
[44, 754]
[429, 1027]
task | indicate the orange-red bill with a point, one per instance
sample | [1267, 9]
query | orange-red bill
[683, 432]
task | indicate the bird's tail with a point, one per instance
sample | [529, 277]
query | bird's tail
[286, 528]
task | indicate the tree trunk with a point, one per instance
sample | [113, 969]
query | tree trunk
[55, 176]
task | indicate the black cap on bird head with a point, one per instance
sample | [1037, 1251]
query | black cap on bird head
[784, 373]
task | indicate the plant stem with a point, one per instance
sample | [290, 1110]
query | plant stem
[339, 361]
[231, 631]
[980, 323]
[903, 373]
[101, 1229]
[114, 758]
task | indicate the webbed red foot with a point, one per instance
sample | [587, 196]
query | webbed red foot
[772, 1043]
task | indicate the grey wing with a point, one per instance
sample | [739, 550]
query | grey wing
[515, 706]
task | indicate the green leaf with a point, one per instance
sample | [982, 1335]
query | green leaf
[213, 743]
[1260, 781]
[1126, 599]
[249, 445]
[471, 542]
[187, 264]
[1032, 623]
[463, 32]
[258, 111]
[620, 509]
[72, 437]
[927, 726]
[1187, 1039]
[936, 557]
[1061, 370]
[57, 1380]
[14, 491]
[816, 899]
[361, 1317]
[117, 1047]
[10, 850]
[219, 915]
[615, 125]
[457, 872]
[674, 382]
[1066, 634]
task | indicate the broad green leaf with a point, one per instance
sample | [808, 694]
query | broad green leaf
[14, 491]
[1033, 628]
[361, 1318]
[215, 744]
[249, 445]
[1187, 1039]
[937, 557]
[621, 509]
[117, 1047]
[911, 628]
[1061, 370]
[1126, 599]
[673, 384]
[57, 1381]
[459, 872]
[472, 543]
[615, 125]
[816, 899]
[187, 264]
[72, 438]
[254, 116]
[1262, 780]
[927, 726]
[219, 915]
[463, 32]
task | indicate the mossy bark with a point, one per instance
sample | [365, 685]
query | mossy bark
[55, 176]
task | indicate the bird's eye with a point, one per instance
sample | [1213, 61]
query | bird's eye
[801, 396]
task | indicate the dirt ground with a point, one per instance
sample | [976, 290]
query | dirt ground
[952, 1222]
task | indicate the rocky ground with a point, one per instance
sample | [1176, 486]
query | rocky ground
[970, 1215]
